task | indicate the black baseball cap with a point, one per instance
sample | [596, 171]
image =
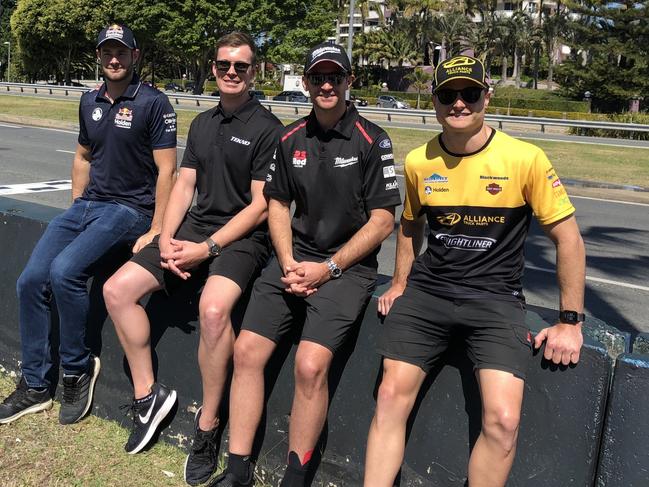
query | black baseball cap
[119, 33]
[460, 67]
[327, 51]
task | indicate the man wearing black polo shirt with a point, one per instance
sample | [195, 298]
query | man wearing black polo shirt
[338, 169]
[229, 150]
[121, 178]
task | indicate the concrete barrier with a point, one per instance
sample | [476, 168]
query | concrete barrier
[563, 410]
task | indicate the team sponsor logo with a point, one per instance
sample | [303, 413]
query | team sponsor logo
[170, 122]
[493, 188]
[556, 183]
[436, 178]
[449, 219]
[466, 242]
[269, 177]
[299, 158]
[385, 144]
[459, 65]
[272, 166]
[239, 141]
[550, 177]
[564, 201]
[387, 157]
[495, 178]
[345, 161]
[391, 186]
[325, 50]
[97, 113]
[114, 32]
[124, 118]
[428, 190]
[389, 172]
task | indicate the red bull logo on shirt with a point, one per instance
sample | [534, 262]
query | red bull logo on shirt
[124, 118]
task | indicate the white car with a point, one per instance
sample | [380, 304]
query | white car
[389, 101]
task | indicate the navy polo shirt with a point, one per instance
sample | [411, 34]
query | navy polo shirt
[229, 151]
[335, 179]
[122, 137]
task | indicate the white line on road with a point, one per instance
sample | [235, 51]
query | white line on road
[610, 201]
[31, 188]
[66, 151]
[594, 279]
[10, 126]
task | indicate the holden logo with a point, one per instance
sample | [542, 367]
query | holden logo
[493, 188]
[449, 219]
[96, 114]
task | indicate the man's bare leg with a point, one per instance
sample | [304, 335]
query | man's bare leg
[387, 436]
[493, 454]
[122, 293]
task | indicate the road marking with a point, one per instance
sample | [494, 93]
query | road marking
[45, 186]
[66, 151]
[10, 126]
[594, 279]
[610, 201]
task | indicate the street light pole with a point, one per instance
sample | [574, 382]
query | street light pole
[350, 38]
[8, 44]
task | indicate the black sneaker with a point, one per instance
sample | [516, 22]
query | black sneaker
[228, 479]
[78, 391]
[148, 413]
[203, 455]
[24, 401]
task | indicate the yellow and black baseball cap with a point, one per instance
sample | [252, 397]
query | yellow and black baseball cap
[460, 67]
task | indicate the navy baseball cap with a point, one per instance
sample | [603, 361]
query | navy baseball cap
[460, 67]
[327, 51]
[119, 33]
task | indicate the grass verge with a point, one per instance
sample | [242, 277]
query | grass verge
[620, 165]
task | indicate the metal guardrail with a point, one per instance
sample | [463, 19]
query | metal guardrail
[425, 116]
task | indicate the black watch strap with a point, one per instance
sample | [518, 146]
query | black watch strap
[571, 317]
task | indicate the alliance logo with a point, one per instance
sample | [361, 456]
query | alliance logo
[299, 158]
[493, 188]
[465, 242]
[449, 219]
[459, 61]
[436, 178]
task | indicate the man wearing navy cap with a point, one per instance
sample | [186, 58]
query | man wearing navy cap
[477, 189]
[122, 174]
[338, 170]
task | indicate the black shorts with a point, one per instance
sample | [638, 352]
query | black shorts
[419, 327]
[240, 261]
[326, 317]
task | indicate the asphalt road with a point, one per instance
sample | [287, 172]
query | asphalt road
[616, 233]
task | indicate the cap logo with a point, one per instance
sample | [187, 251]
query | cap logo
[324, 50]
[114, 32]
[459, 61]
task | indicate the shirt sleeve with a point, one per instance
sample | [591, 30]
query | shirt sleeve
[380, 186]
[83, 132]
[278, 183]
[412, 203]
[265, 151]
[545, 193]
[190, 159]
[162, 123]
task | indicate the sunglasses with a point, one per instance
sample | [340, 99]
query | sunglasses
[333, 79]
[470, 94]
[224, 66]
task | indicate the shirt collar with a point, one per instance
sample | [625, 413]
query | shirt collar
[344, 126]
[130, 92]
[243, 113]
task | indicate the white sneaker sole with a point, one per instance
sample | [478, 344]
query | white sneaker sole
[157, 419]
[44, 406]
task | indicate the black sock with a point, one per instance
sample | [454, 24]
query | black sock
[296, 471]
[239, 465]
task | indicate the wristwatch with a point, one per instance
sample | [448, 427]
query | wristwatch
[571, 317]
[334, 271]
[214, 249]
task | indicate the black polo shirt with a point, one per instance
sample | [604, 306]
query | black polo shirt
[228, 151]
[121, 137]
[335, 178]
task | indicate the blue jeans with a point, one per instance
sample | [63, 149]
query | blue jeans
[59, 267]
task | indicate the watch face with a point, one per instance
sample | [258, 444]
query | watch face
[336, 273]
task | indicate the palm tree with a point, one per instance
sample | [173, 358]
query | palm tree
[420, 80]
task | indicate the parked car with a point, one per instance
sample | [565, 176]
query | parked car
[361, 102]
[189, 86]
[173, 87]
[389, 101]
[260, 95]
[295, 96]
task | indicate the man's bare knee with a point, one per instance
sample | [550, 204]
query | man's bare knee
[246, 356]
[501, 427]
[310, 373]
[215, 322]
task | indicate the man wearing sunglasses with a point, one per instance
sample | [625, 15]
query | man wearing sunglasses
[338, 170]
[477, 189]
[223, 240]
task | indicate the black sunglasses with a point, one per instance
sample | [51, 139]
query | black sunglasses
[224, 66]
[333, 79]
[470, 94]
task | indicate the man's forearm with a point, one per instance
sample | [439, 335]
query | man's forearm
[409, 241]
[571, 273]
[80, 175]
[279, 224]
[163, 188]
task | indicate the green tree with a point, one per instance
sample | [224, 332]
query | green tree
[420, 81]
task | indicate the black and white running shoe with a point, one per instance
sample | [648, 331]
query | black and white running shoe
[24, 401]
[148, 413]
[203, 455]
[78, 391]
